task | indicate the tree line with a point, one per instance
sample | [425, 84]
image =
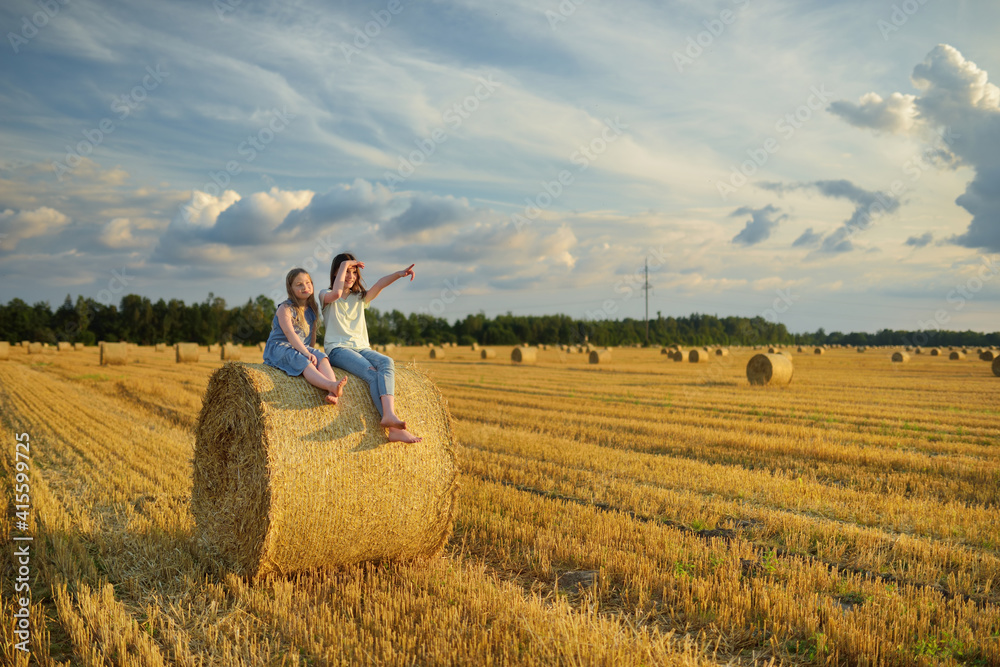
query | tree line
[137, 319]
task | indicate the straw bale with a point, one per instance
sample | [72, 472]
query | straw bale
[721, 352]
[4, 350]
[956, 356]
[34, 348]
[666, 351]
[186, 353]
[678, 355]
[988, 355]
[600, 356]
[114, 354]
[487, 354]
[818, 350]
[160, 347]
[773, 350]
[996, 366]
[284, 482]
[524, 355]
[785, 353]
[917, 350]
[25, 344]
[773, 369]
[543, 347]
[801, 349]
[935, 352]
[900, 356]
[697, 356]
[63, 346]
[229, 352]
[437, 353]
[213, 348]
[861, 348]
[475, 347]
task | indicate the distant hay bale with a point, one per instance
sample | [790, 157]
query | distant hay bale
[114, 354]
[996, 366]
[935, 352]
[772, 369]
[475, 347]
[917, 350]
[4, 350]
[229, 352]
[666, 351]
[261, 346]
[819, 350]
[697, 356]
[785, 353]
[861, 348]
[161, 347]
[988, 355]
[679, 356]
[900, 357]
[437, 353]
[487, 354]
[956, 356]
[600, 356]
[801, 349]
[524, 355]
[187, 353]
[773, 350]
[908, 349]
[284, 482]
[64, 346]
[721, 352]
[34, 348]
[543, 347]
[25, 344]
[213, 348]
[77, 346]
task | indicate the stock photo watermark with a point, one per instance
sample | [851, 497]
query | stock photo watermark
[582, 157]
[566, 9]
[898, 17]
[714, 28]
[786, 126]
[625, 288]
[452, 117]
[248, 150]
[22, 542]
[31, 25]
[439, 304]
[123, 106]
[381, 19]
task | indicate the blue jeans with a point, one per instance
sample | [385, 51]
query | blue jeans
[378, 370]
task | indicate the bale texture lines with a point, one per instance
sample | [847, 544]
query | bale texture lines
[524, 355]
[187, 353]
[114, 354]
[284, 482]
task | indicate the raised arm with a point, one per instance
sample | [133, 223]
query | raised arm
[385, 281]
[337, 290]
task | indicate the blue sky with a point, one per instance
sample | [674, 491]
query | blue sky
[821, 164]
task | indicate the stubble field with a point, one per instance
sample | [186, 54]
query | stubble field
[637, 512]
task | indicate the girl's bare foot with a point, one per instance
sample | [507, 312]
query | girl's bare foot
[336, 392]
[391, 421]
[402, 435]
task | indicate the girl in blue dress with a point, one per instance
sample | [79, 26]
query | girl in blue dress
[292, 343]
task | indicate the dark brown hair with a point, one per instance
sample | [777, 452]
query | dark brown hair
[359, 285]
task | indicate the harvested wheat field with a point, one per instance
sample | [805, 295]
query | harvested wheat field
[638, 513]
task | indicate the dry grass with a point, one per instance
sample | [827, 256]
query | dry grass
[846, 518]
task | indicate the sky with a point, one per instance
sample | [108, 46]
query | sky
[819, 164]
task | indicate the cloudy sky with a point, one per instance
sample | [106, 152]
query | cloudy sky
[822, 164]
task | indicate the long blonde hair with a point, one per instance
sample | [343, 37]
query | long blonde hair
[300, 307]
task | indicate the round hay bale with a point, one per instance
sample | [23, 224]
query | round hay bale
[917, 350]
[213, 348]
[773, 369]
[437, 353]
[64, 346]
[801, 349]
[229, 352]
[34, 348]
[819, 350]
[666, 351]
[988, 355]
[697, 356]
[524, 355]
[900, 357]
[996, 367]
[25, 344]
[114, 354]
[721, 352]
[487, 354]
[475, 347]
[956, 356]
[284, 482]
[77, 347]
[600, 356]
[261, 346]
[160, 347]
[773, 350]
[785, 353]
[861, 348]
[678, 355]
[187, 353]
[935, 352]
[4, 350]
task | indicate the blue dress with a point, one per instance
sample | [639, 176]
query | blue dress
[278, 352]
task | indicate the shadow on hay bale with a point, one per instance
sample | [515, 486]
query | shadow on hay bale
[284, 482]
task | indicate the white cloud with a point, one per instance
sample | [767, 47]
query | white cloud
[20, 225]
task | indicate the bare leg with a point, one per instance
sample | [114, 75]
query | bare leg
[333, 388]
[389, 418]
